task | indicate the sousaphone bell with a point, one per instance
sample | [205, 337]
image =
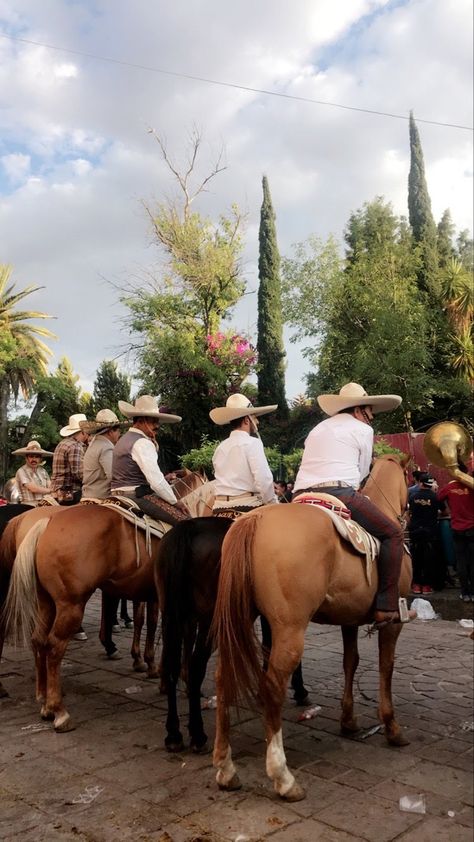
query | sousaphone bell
[447, 443]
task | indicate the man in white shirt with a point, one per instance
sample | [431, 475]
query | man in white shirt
[135, 470]
[243, 479]
[336, 460]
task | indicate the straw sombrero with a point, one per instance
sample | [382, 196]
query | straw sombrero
[104, 420]
[353, 394]
[33, 448]
[147, 407]
[73, 426]
[238, 406]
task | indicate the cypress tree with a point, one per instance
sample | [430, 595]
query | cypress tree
[446, 230]
[271, 353]
[420, 215]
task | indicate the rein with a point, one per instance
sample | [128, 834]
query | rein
[188, 488]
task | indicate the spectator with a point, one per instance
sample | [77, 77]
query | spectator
[461, 503]
[281, 490]
[31, 479]
[423, 507]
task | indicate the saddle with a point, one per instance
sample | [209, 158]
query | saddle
[129, 510]
[362, 541]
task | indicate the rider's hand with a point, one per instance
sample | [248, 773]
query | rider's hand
[181, 505]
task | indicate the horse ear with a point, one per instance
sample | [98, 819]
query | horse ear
[404, 459]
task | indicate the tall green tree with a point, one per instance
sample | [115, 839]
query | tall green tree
[446, 229]
[23, 354]
[110, 387]
[57, 396]
[420, 215]
[270, 347]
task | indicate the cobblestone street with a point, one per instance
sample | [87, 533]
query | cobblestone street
[111, 779]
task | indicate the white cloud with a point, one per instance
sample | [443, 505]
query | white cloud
[78, 157]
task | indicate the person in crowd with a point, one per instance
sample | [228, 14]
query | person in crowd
[281, 490]
[68, 462]
[243, 479]
[423, 508]
[135, 470]
[336, 459]
[31, 479]
[416, 482]
[461, 503]
[97, 471]
[68, 465]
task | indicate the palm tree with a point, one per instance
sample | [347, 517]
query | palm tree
[23, 355]
[458, 294]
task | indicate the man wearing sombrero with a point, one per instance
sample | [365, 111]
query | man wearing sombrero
[336, 459]
[135, 470]
[68, 462]
[31, 479]
[97, 473]
[243, 479]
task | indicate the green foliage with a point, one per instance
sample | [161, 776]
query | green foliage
[420, 215]
[110, 386]
[382, 447]
[200, 458]
[271, 352]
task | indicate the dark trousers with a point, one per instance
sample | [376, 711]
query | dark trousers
[464, 548]
[157, 508]
[422, 545]
[390, 534]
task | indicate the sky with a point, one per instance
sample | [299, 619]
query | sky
[77, 159]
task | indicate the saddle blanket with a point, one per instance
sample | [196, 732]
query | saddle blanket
[129, 510]
[362, 541]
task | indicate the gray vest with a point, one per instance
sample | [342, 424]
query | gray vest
[125, 472]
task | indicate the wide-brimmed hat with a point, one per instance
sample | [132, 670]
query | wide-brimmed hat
[73, 426]
[33, 448]
[147, 407]
[238, 406]
[104, 420]
[353, 394]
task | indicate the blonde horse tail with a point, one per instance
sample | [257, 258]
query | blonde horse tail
[234, 617]
[21, 606]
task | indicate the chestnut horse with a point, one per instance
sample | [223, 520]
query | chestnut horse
[59, 564]
[289, 564]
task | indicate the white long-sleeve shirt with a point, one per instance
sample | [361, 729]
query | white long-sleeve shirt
[240, 465]
[337, 449]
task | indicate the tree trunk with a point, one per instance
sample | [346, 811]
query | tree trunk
[4, 398]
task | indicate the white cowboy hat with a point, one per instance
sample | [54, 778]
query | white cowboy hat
[33, 448]
[104, 420]
[73, 426]
[353, 394]
[147, 407]
[237, 406]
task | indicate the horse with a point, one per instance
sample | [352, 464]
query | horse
[58, 566]
[186, 574]
[289, 564]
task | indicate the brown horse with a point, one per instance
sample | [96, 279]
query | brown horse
[289, 564]
[59, 564]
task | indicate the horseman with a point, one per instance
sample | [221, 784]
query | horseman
[68, 462]
[105, 432]
[336, 460]
[243, 479]
[31, 479]
[135, 470]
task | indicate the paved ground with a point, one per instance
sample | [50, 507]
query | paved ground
[110, 779]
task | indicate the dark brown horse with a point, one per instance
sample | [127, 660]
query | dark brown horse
[289, 563]
[59, 564]
[186, 572]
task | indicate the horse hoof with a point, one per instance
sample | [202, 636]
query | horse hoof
[114, 656]
[153, 674]
[349, 728]
[296, 793]
[47, 715]
[234, 783]
[200, 748]
[398, 740]
[174, 748]
[64, 724]
[3, 692]
[139, 666]
[302, 701]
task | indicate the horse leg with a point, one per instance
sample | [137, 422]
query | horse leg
[68, 620]
[138, 621]
[300, 693]
[287, 649]
[226, 776]
[351, 662]
[388, 636]
[39, 641]
[109, 606]
[151, 626]
[197, 672]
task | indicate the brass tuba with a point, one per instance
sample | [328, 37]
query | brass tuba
[445, 444]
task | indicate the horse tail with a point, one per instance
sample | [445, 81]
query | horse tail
[174, 587]
[21, 607]
[234, 617]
